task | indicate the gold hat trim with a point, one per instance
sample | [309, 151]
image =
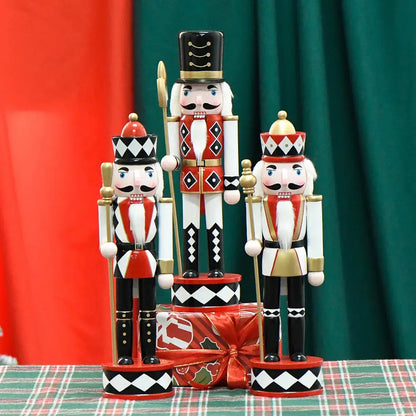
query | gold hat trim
[201, 74]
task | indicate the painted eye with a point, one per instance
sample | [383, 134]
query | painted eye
[270, 172]
[150, 173]
[186, 93]
[214, 92]
[298, 171]
[122, 175]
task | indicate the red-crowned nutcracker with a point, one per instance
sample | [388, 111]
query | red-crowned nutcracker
[288, 230]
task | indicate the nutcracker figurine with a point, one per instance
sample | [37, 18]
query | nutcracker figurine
[285, 224]
[203, 143]
[132, 213]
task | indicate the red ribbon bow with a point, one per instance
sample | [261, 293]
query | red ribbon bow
[236, 335]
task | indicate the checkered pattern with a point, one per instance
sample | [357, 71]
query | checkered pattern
[352, 388]
[135, 383]
[199, 295]
[135, 147]
[276, 145]
[286, 381]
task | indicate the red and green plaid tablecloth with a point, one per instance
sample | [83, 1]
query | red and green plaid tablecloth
[386, 387]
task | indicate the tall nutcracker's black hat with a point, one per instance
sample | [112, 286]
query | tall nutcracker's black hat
[200, 56]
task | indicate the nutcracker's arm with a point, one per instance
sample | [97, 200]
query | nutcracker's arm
[231, 167]
[165, 246]
[315, 239]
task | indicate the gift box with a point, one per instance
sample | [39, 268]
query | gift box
[209, 348]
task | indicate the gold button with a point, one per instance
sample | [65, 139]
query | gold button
[124, 325]
[124, 342]
[149, 325]
[124, 334]
[149, 333]
[148, 315]
[149, 341]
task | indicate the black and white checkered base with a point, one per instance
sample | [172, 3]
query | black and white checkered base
[138, 381]
[205, 293]
[287, 378]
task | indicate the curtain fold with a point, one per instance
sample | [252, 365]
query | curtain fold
[66, 88]
[344, 73]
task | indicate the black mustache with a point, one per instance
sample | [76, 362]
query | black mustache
[189, 106]
[277, 186]
[274, 187]
[210, 106]
[145, 188]
[207, 106]
[130, 188]
[126, 188]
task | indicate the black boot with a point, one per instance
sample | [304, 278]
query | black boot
[271, 312]
[124, 335]
[190, 255]
[296, 318]
[296, 333]
[215, 251]
[148, 337]
[124, 321]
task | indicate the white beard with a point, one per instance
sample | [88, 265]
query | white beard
[199, 137]
[285, 221]
[137, 222]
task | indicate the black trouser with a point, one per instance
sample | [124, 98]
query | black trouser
[124, 317]
[296, 314]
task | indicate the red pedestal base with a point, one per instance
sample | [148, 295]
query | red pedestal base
[138, 381]
[206, 294]
[287, 378]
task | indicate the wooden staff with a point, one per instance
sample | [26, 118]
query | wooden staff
[107, 198]
[247, 181]
[162, 94]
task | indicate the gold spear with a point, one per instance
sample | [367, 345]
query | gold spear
[107, 198]
[247, 181]
[162, 94]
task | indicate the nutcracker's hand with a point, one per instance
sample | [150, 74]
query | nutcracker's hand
[108, 250]
[169, 163]
[316, 278]
[231, 197]
[165, 281]
[253, 248]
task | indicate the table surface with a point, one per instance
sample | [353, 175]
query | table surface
[373, 387]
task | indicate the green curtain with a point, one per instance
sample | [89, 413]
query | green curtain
[344, 72]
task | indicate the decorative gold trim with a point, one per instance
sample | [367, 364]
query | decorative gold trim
[286, 264]
[201, 74]
[314, 198]
[230, 118]
[166, 266]
[165, 200]
[316, 265]
[298, 228]
[205, 162]
[270, 224]
[172, 119]
[255, 199]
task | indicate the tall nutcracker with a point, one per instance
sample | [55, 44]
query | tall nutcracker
[287, 221]
[203, 141]
[137, 214]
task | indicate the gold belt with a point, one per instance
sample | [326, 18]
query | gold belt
[205, 162]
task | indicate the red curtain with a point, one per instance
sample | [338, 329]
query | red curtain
[65, 89]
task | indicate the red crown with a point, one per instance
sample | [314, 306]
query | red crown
[283, 141]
